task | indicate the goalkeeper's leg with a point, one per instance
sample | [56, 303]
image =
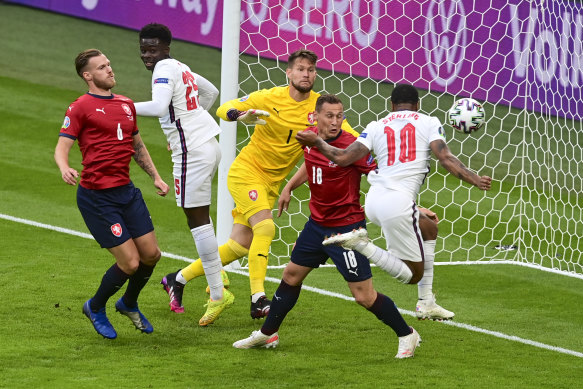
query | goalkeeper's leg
[263, 233]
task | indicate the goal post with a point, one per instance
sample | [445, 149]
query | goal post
[228, 137]
[522, 59]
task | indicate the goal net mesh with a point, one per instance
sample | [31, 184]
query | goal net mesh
[523, 60]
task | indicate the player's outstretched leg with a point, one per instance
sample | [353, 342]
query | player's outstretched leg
[408, 344]
[174, 290]
[429, 309]
[214, 308]
[358, 240]
[258, 339]
[100, 321]
[137, 318]
[352, 240]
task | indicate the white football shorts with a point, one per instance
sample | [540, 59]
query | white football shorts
[398, 217]
[193, 174]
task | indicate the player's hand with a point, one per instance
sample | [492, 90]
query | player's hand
[307, 138]
[283, 202]
[484, 183]
[162, 187]
[429, 213]
[70, 176]
[252, 116]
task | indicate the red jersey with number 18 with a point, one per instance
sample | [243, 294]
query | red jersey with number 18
[335, 190]
[104, 126]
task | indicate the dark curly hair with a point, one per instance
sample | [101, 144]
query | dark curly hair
[404, 93]
[155, 30]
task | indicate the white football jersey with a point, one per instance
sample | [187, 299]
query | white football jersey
[187, 124]
[400, 142]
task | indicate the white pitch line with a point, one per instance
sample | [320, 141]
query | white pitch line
[468, 327]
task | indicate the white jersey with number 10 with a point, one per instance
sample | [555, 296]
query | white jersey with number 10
[187, 124]
[400, 142]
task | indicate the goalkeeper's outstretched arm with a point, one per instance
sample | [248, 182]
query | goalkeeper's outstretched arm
[231, 111]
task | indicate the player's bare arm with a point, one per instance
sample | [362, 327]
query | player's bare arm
[298, 179]
[62, 150]
[342, 157]
[143, 159]
[453, 165]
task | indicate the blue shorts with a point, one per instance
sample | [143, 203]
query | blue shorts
[310, 252]
[114, 215]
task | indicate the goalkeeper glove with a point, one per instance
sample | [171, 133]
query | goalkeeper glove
[250, 116]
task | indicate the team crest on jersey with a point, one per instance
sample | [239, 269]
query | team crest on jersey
[116, 229]
[66, 122]
[126, 109]
[253, 195]
[244, 98]
[311, 118]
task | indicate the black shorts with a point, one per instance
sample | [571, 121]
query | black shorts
[114, 215]
[310, 252]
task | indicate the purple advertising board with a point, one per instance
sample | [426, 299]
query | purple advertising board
[519, 53]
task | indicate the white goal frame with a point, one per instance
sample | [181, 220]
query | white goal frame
[520, 221]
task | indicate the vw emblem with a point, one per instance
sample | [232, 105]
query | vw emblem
[445, 40]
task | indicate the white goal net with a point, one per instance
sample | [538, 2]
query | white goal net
[522, 59]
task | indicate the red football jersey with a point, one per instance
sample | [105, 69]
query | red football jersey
[335, 190]
[104, 126]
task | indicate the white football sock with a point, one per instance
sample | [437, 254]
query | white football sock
[425, 285]
[180, 278]
[388, 262]
[208, 250]
[256, 296]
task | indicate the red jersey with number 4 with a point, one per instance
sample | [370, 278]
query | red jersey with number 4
[335, 190]
[104, 126]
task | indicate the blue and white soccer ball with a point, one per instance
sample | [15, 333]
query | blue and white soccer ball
[466, 115]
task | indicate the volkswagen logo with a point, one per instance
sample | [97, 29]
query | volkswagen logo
[445, 40]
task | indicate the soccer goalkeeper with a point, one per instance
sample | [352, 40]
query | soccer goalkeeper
[255, 176]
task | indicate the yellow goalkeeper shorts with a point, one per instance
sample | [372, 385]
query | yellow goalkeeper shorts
[251, 195]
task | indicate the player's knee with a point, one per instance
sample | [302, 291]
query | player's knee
[415, 279]
[150, 258]
[428, 228]
[365, 300]
[417, 270]
[291, 278]
[129, 266]
[265, 228]
[417, 275]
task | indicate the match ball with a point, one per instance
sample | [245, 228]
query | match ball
[466, 115]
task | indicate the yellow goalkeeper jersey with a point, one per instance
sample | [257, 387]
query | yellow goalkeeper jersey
[273, 149]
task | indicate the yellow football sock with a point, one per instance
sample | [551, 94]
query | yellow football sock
[263, 233]
[228, 252]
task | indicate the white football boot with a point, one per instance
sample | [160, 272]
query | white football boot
[428, 309]
[408, 344]
[353, 240]
[257, 339]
